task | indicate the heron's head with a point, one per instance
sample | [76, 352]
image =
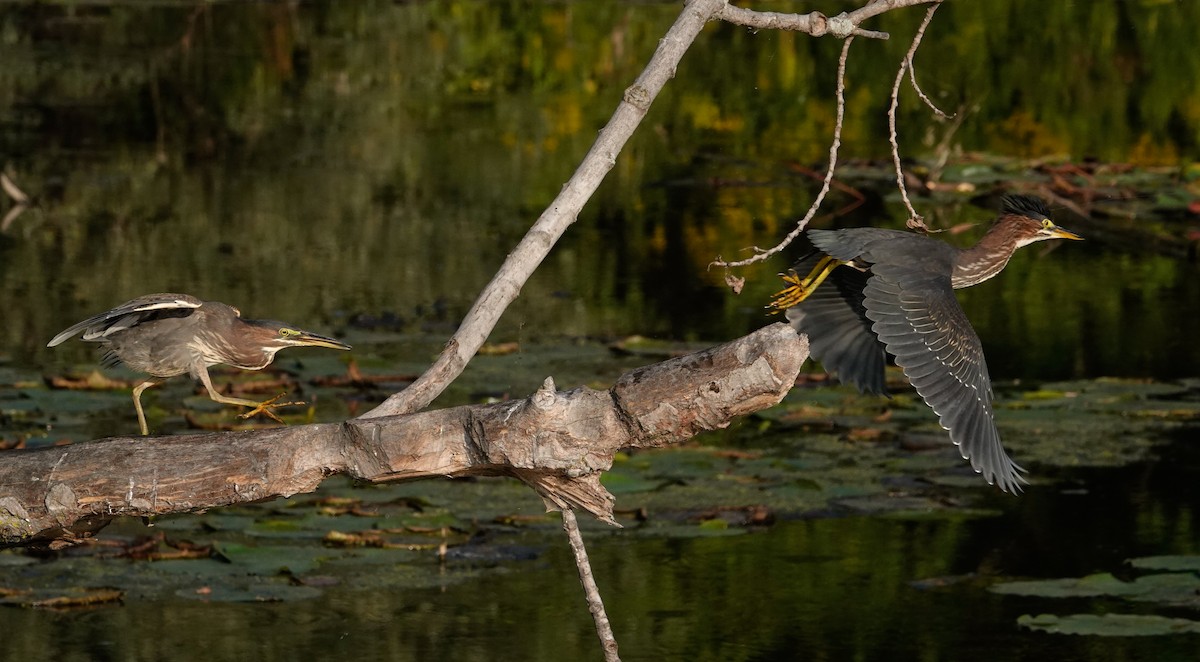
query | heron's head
[271, 336]
[1028, 220]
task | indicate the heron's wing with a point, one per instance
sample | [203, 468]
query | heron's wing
[929, 334]
[130, 314]
[838, 330]
[851, 243]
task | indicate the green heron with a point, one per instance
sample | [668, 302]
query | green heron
[165, 335]
[892, 292]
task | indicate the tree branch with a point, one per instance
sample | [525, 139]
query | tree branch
[591, 592]
[565, 208]
[557, 442]
[915, 220]
[814, 23]
[555, 220]
[834, 145]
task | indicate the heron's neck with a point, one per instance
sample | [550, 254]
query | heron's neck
[985, 259]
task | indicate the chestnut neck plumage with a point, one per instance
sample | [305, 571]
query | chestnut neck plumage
[988, 257]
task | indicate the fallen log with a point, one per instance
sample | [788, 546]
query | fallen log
[557, 442]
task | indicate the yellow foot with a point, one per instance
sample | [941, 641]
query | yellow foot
[788, 296]
[266, 406]
[800, 288]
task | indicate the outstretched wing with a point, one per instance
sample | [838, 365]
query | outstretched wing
[838, 330]
[923, 326]
[130, 314]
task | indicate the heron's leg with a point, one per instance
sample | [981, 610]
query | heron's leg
[137, 403]
[266, 406]
[258, 407]
[800, 288]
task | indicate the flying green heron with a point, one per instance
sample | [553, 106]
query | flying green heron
[892, 292]
[165, 335]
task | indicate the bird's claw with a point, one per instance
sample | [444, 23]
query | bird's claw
[796, 292]
[266, 406]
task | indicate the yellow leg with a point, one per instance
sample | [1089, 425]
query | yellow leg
[266, 406]
[137, 404]
[257, 407]
[801, 288]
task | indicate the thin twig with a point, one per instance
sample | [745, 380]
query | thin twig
[915, 220]
[942, 150]
[558, 216]
[562, 212]
[591, 591]
[813, 23]
[912, 71]
[912, 77]
[10, 187]
[833, 154]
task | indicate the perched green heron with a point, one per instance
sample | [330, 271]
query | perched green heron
[165, 335]
[892, 292]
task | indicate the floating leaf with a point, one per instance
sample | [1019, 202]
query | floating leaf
[1109, 625]
[1179, 563]
[619, 482]
[271, 560]
[1170, 588]
[60, 598]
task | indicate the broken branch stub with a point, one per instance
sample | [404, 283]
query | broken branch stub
[557, 442]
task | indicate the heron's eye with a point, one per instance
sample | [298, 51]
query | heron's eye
[1047, 223]
[288, 333]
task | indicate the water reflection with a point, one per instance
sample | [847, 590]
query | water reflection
[852, 588]
[319, 160]
[311, 161]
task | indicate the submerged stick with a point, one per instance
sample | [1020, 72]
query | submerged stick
[591, 592]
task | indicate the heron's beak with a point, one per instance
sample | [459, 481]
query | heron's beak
[1061, 233]
[306, 339]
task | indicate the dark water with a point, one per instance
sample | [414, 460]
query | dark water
[319, 161]
[310, 162]
[836, 589]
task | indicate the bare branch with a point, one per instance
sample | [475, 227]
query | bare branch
[912, 77]
[814, 23]
[833, 153]
[565, 208]
[555, 220]
[10, 187]
[591, 592]
[877, 7]
[915, 220]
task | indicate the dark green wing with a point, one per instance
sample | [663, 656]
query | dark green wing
[839, 333]
[130, 314]
[923, 326]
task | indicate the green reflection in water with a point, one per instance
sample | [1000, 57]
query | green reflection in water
[822, 589]
[312, 161]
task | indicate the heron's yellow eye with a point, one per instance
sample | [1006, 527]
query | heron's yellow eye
[288, 333]
[1047, 223]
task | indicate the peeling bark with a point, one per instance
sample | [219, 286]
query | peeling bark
[557, 442]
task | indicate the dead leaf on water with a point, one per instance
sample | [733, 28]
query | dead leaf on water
[93, 381]
[60, 598]
[500, 349]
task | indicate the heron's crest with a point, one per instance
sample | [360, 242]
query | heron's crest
[1026, 205]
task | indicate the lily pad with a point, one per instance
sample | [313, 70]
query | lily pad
[271, 560]
[619, 482]
[1169, 588]
[1176, 563]
[1109, 625]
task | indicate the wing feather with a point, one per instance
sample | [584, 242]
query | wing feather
[838, 330]
[923, 326]
[129, 314]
